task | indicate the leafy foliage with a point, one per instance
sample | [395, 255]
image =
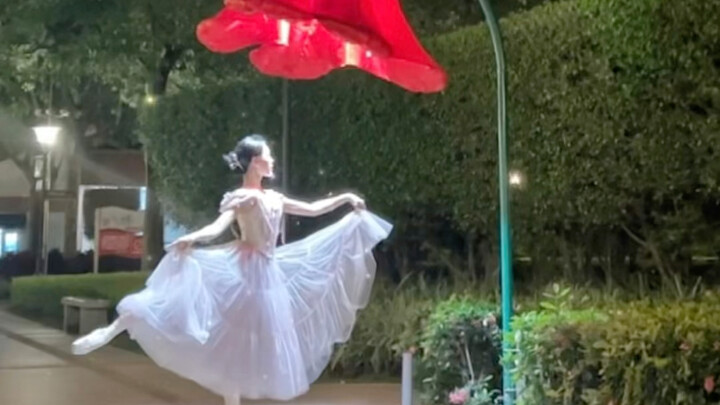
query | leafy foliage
[548, 362]
[572, 349]
[188, 133]
[460, 347]
[637, 353]
[389, 326]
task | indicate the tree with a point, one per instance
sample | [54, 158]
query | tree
[38, 77]
[130, 49]
[432, 17]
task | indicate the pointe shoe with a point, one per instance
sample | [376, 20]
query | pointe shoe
[232, 399]
[94, 340]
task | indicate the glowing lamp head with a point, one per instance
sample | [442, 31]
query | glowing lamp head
[515, 179]
[46, 135]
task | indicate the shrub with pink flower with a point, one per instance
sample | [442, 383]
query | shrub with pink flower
[459, 396]
[709, 384]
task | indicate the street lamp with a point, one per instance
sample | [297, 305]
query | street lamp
[46, 136]
[506, 270]
[516, 178]
[150, 100]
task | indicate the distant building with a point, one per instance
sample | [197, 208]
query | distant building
[14, 205]
[102, 178]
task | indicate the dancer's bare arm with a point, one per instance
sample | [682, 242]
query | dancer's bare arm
[232, 202]
[206, 233]
[320, 207]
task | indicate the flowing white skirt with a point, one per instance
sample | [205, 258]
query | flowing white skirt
[241, 323]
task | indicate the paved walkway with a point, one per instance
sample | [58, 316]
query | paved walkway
[37, 368]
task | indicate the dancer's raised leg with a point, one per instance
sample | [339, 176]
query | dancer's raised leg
[232, 399]
[99, 337]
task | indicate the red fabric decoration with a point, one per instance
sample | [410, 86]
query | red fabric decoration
[306, 39]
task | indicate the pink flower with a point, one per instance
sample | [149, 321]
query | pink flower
[459, 396]
[685, 346]
[709, 384]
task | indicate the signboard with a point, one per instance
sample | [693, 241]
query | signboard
[118, 232]
[120, 243]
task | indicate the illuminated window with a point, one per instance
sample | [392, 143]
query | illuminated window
[11, 242]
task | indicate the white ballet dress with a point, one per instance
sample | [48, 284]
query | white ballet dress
[251, 319]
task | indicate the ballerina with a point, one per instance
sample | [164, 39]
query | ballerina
[250, 319]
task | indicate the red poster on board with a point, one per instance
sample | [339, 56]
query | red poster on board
[122, 243]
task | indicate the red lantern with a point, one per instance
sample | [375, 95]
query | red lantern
[307, 39]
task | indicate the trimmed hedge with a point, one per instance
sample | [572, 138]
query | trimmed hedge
[40, 296]
[4, 288]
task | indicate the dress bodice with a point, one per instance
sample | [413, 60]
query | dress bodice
[259, 219]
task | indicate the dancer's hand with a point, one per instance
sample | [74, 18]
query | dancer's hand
[181, 244]
[357, 202]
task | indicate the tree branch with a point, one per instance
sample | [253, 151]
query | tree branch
[171, 54]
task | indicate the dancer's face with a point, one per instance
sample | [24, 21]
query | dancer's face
[265, 163]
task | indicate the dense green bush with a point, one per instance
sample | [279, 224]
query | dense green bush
[40, 296]
[390, 325]
[4, 288]
[460, 347]
[664, 58]
[547, 359]
[641, 352]
[571, 348]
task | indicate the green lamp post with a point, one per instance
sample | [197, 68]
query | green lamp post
[506, 272]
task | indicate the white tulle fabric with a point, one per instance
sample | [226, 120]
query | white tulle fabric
[257, 321]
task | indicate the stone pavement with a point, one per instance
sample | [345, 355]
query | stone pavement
[37, 368]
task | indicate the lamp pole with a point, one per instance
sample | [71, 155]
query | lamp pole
[506, 272]
[285, 180]
[46, 136]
